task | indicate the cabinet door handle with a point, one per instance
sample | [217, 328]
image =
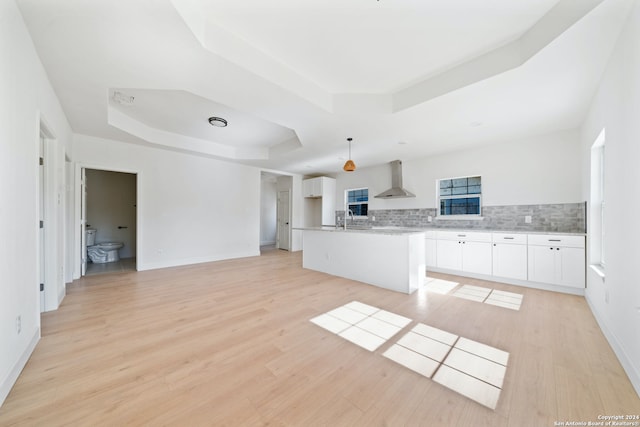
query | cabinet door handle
[555, 240]
[462, 235]
[508, 238]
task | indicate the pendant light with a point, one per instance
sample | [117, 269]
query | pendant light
[349, 166]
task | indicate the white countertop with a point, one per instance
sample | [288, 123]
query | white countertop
[374, 230]
[408, 230]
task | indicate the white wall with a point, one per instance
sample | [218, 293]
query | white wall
[111, 203]
[538, 170]
[26, 99]
[616, 107]
[190, 209]
[268, 209]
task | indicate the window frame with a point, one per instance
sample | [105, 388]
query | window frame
[597, 226]
[347, 204]
[440, 197]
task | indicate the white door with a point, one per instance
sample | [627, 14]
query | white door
[83, 220]
[542, 264]
[476, 257]
[430, 252]
[41, 224]
[449, 254]
[284, 220]
[571, 265]
[510, 261]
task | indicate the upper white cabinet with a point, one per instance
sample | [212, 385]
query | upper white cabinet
[466, 251]
[313, 187]
[320, 206]
[557, 260]
[510, 255]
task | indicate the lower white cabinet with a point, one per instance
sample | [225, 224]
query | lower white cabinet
[464, 251]
[510, 255]
[476, 257]
[554, 259]
[431, 249]
[449, 254]
[557, 260]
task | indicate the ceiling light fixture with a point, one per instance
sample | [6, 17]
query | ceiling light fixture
[349, 166]
[218, 122]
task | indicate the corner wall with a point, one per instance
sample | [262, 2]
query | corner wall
[615, 300]
[26, 100]
[191, 209]
[535, 171]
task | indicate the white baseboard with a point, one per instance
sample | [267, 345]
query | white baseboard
[628, 366]
[515, 282]
[11, 379]
[196, 260]
[268, 243]
[61, 294]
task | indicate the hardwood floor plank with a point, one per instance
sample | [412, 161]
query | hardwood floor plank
[230, 343]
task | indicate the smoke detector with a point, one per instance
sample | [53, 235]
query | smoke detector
[122, 98]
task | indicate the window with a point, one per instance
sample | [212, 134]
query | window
[357, 202]
[597, 224]
[460, 196]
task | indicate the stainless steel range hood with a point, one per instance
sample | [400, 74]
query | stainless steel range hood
[396, 191]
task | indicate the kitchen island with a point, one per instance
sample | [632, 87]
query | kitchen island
[389, 258]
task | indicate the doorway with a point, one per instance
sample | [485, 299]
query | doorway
[109, 211]
[275, 211]
[284, 220]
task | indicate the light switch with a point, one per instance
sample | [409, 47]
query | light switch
[527, 219]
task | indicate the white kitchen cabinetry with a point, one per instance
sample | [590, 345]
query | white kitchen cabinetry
[449, 254]
[320, 201]
[466, 251]
[556, 259]
[431, 249]
[510, 255]
[313, 187]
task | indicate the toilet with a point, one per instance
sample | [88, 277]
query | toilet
[103, 252]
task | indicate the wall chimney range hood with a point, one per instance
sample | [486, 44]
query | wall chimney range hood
[396, 191]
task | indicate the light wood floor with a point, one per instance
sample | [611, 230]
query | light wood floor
[230, 343]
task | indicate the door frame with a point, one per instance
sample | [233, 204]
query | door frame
[50, 247]
[79, 226]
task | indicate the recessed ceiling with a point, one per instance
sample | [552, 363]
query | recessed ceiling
[300, 77]
[185, 114]
[367, 46]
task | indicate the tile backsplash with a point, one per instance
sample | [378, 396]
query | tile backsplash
[560, 217]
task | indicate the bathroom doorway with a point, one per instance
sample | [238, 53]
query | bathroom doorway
[109, 206]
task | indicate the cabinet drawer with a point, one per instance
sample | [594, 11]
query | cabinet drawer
[558, 240]
[468, 236]
[431, 234]
[513, 238]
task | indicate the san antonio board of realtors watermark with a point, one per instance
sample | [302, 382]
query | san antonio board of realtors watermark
[605, 420]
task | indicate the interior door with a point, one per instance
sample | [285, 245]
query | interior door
[284, 221]
[83, 220]
[41, 225]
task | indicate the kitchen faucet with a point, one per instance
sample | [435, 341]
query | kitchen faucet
[349, 213]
